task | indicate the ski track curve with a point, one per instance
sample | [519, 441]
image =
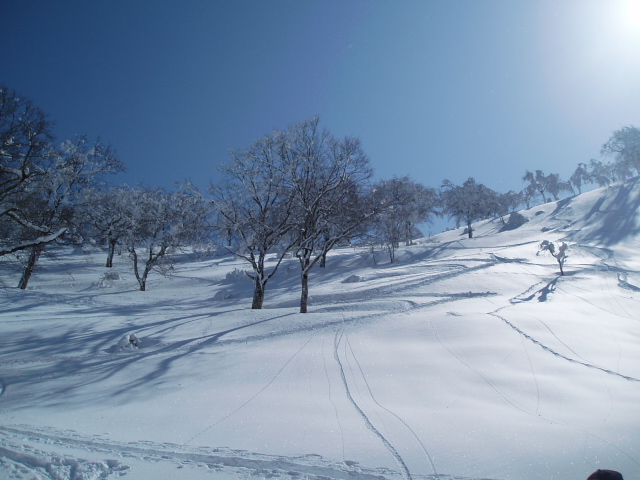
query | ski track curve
[558, 354]
[335, 408]
[413, 433]
[532, 413]
[390, 448]
[250, 399]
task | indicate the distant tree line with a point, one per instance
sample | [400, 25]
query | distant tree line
[297, 192]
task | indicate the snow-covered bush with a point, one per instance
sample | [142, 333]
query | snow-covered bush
[236, 275]
[222, 295]
[557, 251]
[107, 279]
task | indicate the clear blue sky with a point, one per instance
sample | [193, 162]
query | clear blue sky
[434, 89]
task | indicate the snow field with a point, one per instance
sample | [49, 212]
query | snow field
[469, 359]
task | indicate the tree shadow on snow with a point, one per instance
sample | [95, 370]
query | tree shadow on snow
[71, 366]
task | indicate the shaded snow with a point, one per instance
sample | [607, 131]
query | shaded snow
[468, 359]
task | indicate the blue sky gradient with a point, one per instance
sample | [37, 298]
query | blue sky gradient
[434, 89]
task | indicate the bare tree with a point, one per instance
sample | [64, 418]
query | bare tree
[162, 223]
[327, 178]
[557, 251]
[254, 208]
[105, 212]
[403, 204]
[542, 183]
[25, 155]
[49, 211]
[555, 186]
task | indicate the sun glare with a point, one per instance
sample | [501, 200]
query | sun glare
[631, 15]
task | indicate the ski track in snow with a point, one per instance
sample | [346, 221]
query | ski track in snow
[24, 454]
[394, 453]
[413, 433]
[521, 297]
[559, 355]
[335, 408]
[253, 397]
[31, 460]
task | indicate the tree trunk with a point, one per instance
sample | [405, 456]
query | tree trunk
[142, 279]
[409, 234]
[304, 296]
[258, 295]
[323, 260]
[469, 230]
[561, 269]
[544, 198]
[112, 250]
[31, 263]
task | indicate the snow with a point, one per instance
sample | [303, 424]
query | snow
[468, 359]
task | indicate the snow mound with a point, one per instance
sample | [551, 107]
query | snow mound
[106, 280]
[222, 295]
[354, 279]
[515, 220]
[128, 342]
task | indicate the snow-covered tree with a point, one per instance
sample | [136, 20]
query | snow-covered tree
[601, 173]
[555, 186]
[557, 251]
[161, 224]
[508, 202]
[528, 194]
[48, 210]
[25, 155]
[542, 183]
[580, 177]
[624, 146]
[106, 218]
[468, 202]
[327, 178]
[403, 204]
[254, 207]
[536, 182]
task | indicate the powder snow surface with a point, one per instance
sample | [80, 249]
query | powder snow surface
[467, 359]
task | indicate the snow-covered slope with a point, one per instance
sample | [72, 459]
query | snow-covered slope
[470, 358]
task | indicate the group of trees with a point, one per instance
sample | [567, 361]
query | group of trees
[56, 194]
[297, 192]
[41, 185]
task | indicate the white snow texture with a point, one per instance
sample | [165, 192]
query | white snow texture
[466, 359]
